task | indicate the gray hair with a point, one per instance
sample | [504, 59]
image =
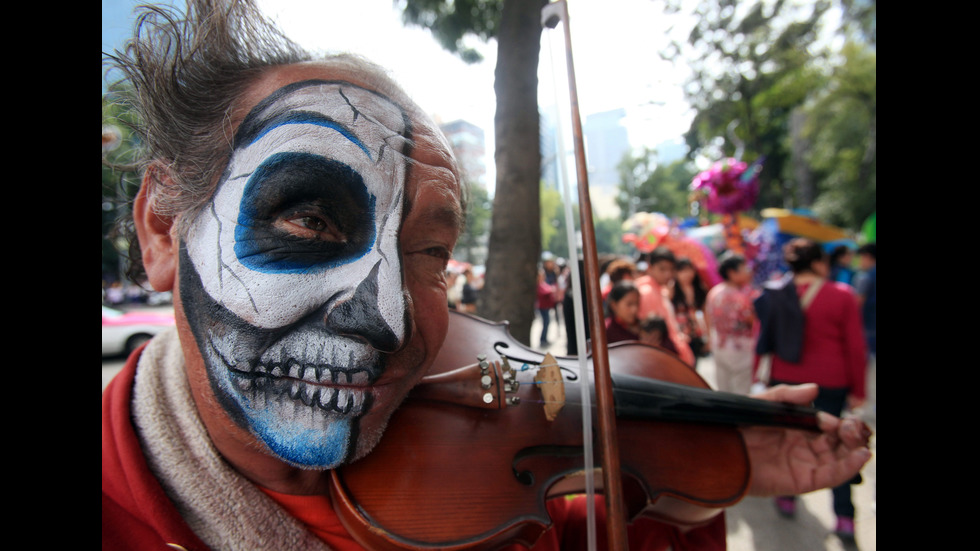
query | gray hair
[182, 76]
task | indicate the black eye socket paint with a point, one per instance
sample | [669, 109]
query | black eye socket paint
[289, 181]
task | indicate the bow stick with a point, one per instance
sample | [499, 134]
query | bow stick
[551, 15]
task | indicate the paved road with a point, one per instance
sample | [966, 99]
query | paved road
[753, 524]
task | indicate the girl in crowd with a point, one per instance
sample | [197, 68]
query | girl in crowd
[653, 330]
[688, 299]
[622, 304]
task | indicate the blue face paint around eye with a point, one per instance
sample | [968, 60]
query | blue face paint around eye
[292, 180]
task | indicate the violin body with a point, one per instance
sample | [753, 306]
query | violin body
[455, 470]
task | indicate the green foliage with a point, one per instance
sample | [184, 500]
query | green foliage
[478, 211]
[763, 83]
[119, 179]
[751, 66]
[609, 237]
[650, 187]
[553, 233]
[554, 236]
[450, 22]
[841, 128]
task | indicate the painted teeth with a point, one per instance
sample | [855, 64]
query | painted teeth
[304, 385]
[310, 396]
[326, 395]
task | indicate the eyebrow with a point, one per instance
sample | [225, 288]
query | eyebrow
[445, 215]
[253, 130]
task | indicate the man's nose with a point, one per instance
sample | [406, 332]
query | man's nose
[361, 316]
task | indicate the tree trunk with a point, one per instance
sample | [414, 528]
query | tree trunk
[515, 235]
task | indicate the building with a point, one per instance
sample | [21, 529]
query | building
[469, 146]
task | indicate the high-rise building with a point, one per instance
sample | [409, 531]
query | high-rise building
[469, 146]
[606, 142]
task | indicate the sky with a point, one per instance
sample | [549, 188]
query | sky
[614, 44]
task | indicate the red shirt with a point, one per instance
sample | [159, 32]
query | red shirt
[833, 353]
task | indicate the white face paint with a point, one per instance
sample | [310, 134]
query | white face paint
[295, 286]
[260, 282]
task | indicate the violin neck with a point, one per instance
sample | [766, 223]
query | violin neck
[650, 399]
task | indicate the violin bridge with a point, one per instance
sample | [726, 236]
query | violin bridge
[552, 386]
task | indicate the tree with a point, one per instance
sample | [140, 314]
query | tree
[515, 235]
[554, 236]
[765, 82]
[841, 128]
[646, 186]
[477, 222]
[752, 65]
[119, 180]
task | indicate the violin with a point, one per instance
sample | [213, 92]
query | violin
[470, 458]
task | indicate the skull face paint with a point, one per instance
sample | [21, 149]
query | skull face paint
[291, 278]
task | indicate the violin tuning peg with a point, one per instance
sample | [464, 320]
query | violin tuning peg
[486, 382]
[513, 400]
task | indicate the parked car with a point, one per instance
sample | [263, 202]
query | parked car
[123, 332]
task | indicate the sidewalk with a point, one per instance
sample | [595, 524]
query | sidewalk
[753, 524]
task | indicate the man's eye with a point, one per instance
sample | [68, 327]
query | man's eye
[438, 252]
[309, 226]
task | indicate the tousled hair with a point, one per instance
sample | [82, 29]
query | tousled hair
[182, 74]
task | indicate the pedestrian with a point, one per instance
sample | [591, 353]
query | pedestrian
[866, 283]
[840, 265]
[653, 331]
[730, 318]
[545, 300]
[688, 296]
[470, 293]
[654, 286]
[811, 329]
[622, 305]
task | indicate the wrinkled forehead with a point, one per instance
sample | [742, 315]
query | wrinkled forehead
[319, 93]
[369, 120]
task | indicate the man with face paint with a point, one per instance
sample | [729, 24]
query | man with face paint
[303, 213]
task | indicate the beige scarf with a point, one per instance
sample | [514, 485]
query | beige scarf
[223, 508]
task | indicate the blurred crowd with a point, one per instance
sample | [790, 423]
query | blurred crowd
[813, 323]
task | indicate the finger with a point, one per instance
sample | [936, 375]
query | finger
[854, 433]
[796, 394]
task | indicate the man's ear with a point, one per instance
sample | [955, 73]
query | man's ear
[157, 243]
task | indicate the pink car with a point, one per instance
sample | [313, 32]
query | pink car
[124, 332]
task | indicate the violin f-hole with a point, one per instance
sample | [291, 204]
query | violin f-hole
[547, 454]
